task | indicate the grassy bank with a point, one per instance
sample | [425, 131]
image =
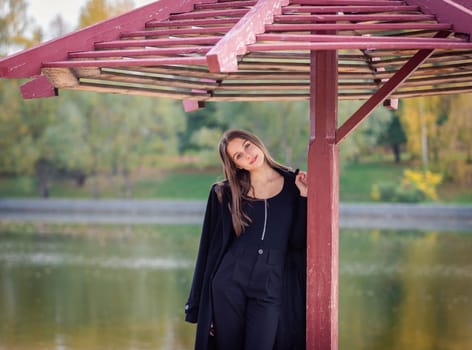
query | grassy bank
[356, 182]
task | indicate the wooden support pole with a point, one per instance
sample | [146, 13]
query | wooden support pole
[323, 204]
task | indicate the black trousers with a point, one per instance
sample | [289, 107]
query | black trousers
[246, 299]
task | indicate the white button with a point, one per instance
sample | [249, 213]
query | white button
[260, 251]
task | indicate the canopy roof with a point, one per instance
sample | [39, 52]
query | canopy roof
[249, 50]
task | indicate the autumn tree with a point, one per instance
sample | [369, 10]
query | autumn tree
[14, 27]
[284, 126]
[394, 137]
[97, 10]
[366, 137]
[456, 141]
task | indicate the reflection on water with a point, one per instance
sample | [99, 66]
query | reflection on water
[398, 290]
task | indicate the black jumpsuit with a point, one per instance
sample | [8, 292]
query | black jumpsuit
[247, 286]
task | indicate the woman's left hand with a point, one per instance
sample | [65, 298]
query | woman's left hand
[301, 180]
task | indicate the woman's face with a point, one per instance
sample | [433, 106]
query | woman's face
[245, 154]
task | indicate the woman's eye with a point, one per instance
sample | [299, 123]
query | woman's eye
[247, 145]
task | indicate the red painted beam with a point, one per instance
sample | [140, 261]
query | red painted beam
[347, 2]
[388, 88]
[223, 56]
[350, 38]
[192, 105]
[40, 87]
[144, 62]
[174, 31]
[354, 18]
[28, 62]
[208, 14]
[140, 52]
[359, 45]
[203, 40]
[457, 12]
[323, 204]
[358, 26]
[226, 4]
[348, 9]
[191, 22]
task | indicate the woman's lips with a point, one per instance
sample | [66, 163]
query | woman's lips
[253, 160]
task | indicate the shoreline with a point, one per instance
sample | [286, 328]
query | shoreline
[185, 212]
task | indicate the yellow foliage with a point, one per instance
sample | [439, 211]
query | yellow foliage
[375, 192]
[426, 181]
[95, 11]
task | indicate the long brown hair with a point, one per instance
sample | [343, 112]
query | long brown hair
[238, 179]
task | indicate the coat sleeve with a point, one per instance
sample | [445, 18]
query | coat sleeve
[297, 239]
[209, 226]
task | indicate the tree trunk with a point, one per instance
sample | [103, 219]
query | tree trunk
[43, 173]
[396, 152]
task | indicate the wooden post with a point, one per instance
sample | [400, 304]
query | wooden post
[323, 205]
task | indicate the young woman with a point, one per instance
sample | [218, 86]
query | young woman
[248, 289]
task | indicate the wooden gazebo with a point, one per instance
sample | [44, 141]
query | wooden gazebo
[277, 50]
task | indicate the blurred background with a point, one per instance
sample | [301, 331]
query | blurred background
[110, 284]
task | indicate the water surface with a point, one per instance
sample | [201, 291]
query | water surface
[99, 288]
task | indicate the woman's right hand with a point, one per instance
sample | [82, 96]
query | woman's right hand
[301, 180]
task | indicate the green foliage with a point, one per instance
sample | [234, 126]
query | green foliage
[204, 128]
[284, 127]
[178, 184]
[415, 186]
[391, 192]
[356, 179]
[363, 140]
[109, 136]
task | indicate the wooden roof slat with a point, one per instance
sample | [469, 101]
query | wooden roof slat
[432, 92]
[349, 9]
[192, 22]
[129, 90]
[208, 14]
[435, 80]
[141, 52]
[14, 66]
[353, 18]
[349, 2]
[248, 50]
[291, 66]
[191, 72]
[443, 56]
[225, 4]
[356, 44]
[432, 62]
[61, 77]
[448, 11]
[128, 62]
[207, 40]
[349, 38]
[150, 80]
[302, 55]
[445, 68]
[171, 32]
[358, 26]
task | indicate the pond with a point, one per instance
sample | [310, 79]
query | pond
[85, 287]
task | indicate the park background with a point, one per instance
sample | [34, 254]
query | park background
[92, 286]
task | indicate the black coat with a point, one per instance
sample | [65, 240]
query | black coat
[216, 236]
